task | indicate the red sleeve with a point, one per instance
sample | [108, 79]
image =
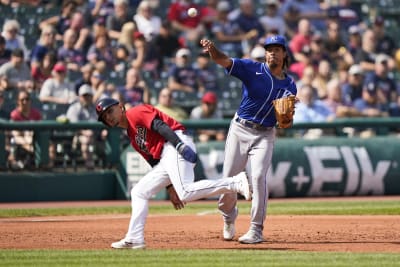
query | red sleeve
[147, 142]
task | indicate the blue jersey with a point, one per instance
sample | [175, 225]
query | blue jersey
[259, 89]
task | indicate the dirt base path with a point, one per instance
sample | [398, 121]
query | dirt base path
[297, 233]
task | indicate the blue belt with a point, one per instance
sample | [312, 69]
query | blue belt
[252, 125]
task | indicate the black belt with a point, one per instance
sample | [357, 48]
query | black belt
[252, 125]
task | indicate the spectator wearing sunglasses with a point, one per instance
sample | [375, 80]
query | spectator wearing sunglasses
[22, 152]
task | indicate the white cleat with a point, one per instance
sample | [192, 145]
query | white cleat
[124, 244]
[244, 187]
[229, 231]
[251, 237]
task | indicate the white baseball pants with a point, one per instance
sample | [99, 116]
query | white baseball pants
[171, 169]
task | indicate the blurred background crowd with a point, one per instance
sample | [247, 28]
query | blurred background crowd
[57, 58]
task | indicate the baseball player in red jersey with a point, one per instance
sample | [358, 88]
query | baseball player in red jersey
[251, 136]
[162, 141]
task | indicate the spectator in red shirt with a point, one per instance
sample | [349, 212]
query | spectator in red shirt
[300, 39]
[24, 111]
[21, 155]
[191, 28]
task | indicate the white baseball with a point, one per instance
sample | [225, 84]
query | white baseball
[192, 12]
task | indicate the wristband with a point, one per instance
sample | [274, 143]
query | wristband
[178, 145]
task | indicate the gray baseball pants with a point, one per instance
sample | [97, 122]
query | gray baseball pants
[251, 148]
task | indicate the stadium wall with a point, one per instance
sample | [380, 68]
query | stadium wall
[328, 166]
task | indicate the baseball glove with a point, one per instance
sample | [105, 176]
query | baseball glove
[284, 111]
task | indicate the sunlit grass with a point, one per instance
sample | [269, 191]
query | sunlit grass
[359, 207]
[193, 258]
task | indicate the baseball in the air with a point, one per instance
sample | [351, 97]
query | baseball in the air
[192, 12]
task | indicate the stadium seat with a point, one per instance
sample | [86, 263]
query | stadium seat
[50, 111]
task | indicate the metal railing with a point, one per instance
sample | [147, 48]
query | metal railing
[43, 129]
[42, 135]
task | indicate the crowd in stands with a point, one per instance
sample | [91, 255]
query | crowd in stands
[345, 61]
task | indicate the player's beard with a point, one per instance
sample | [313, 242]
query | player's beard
[273, 65]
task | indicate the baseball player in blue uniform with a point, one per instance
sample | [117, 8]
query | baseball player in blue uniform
[251, 135]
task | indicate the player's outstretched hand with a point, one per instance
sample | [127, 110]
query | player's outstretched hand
[186, 152]
[173, 196]
[207, 45]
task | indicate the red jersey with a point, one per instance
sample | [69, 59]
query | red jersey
[34, 115]
[146, 141]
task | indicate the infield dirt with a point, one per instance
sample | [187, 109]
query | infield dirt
[298, 233]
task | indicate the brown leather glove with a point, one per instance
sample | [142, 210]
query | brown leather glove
[284, 111]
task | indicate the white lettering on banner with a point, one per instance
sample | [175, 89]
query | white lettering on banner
[353, 172]
[300, 178]
[276, 180]
[320, 173]
[371, 182]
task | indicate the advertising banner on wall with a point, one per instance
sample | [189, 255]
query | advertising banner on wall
[302, 168]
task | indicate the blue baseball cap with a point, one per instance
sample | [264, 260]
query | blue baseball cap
[275, 40]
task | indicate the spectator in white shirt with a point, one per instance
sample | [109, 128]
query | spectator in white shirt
[84, 110]
[147, 23]
[56, 89]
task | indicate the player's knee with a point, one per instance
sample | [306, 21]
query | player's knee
[137, 193]
[183, 195]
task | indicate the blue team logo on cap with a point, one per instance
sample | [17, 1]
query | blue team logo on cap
[275, 40]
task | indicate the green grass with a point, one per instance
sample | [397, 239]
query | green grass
[5, 213]
[363, 207]
[360, 207]
[193, 258]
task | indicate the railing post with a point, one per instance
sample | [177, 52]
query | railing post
[3, 153]
[112, 148]
[41, 147]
